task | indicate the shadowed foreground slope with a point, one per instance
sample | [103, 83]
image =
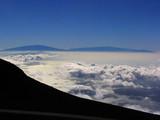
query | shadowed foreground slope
[22, 97]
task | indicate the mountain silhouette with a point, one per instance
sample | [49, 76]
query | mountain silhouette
[33, 48]
[22, 97]
[89, 49]
[109, 49]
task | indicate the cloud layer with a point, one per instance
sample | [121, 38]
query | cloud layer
[27, 57]
[132, 87]
[121, 85]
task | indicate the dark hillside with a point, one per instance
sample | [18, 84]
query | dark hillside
[19, 92]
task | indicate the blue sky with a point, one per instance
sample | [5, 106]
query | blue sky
[80, 23]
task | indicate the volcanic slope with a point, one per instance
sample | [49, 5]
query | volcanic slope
[25, 98]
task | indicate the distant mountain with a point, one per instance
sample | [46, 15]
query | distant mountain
[108, 49]
[33, 48]
[89, 49]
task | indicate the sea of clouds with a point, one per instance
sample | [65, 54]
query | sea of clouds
[123, 85]
[132, 87]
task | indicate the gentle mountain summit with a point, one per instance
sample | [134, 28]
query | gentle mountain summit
[108, 49]
[33, 48]
[87, 49]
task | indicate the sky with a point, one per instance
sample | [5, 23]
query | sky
[80, 23]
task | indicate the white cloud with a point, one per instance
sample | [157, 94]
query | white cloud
[121, 75]
[133, 87]
[80, 87]
[113, 84]
[27, 59]
[156, 112]
[137, 107]
[83, 96]
[140, 108]
[101, 92]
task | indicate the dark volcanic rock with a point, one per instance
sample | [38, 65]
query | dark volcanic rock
[22, 93]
